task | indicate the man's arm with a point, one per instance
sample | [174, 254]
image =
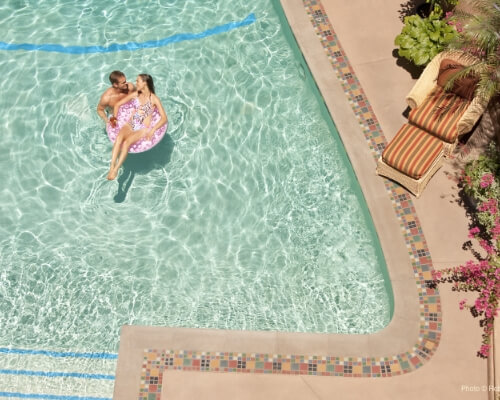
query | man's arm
[131, 87]
[122, 101]
[101, 108]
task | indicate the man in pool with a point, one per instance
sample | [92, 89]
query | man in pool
[119, 89]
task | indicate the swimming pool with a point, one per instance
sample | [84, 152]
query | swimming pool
[246, 216]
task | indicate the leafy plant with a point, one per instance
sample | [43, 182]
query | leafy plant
[480, 180]
[423, 38]
[443, 5]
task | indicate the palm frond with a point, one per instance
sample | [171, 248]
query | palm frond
[479, 41]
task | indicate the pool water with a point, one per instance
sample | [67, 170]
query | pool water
[246, 216]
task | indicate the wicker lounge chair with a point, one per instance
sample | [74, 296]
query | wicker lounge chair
[428, 100]
[437, 119]
[411, 158]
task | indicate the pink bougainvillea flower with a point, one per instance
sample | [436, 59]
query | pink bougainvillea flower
[487, 180]
[436, 275]
[486, 246]
[485, 350]
[495, 231]
[481, 276]
[490, 206]
[473, 232]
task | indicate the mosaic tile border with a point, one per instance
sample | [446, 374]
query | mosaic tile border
[156, 361]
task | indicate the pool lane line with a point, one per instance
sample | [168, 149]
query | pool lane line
[131, 46]
[109, 356]
[18, 395]
[56, 374]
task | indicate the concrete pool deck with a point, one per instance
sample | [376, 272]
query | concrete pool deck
[429, 348]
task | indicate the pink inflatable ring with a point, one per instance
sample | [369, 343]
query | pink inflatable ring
[123, 117]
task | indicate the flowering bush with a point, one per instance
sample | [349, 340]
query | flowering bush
[481, 182]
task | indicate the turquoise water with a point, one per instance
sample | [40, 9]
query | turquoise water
[246, 216]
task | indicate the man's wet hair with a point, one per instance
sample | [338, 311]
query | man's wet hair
[115, 76]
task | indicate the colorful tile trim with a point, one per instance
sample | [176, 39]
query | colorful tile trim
[156, 361]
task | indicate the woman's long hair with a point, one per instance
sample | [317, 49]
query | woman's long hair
[149, 81]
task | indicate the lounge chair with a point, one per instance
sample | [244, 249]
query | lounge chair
[437, 119]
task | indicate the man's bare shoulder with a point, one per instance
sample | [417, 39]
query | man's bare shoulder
[107, 98]
[108, 92]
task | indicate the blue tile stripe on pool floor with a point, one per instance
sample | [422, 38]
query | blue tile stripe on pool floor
[130, 46]
[17, 395]
[110, 356]
[51, 374]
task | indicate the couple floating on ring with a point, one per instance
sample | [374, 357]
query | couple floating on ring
[144, 102]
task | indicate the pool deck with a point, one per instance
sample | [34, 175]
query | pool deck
[429, 348]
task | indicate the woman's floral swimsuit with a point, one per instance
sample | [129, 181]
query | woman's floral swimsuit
[142, 111]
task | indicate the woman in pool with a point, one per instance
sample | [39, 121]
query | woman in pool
[139, 126]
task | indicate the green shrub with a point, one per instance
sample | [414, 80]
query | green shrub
[422, 38]
[445, 5]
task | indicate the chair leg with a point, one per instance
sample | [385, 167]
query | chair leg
[415, 186]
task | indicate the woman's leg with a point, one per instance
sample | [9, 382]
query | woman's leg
[128, 141]
[117, 146]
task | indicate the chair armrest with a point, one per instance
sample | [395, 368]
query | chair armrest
[471, 115]
[425, 83]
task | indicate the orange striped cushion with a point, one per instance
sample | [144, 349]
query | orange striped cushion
[412, 151]
[439, 114]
